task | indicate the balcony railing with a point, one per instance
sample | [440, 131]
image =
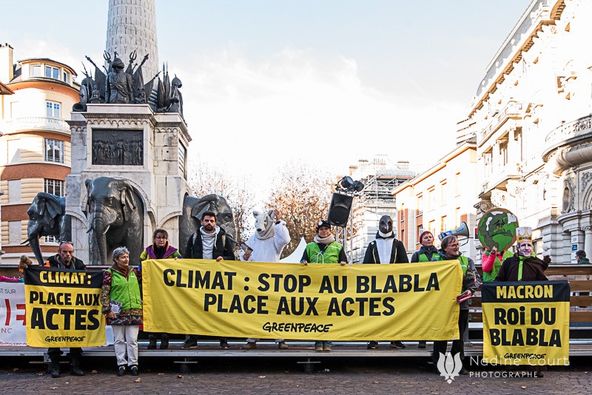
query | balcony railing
[512, 109]
[34, 123]
[569, 130]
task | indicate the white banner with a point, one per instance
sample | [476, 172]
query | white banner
[12, 314]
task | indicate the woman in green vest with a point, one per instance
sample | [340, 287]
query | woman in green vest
[324, 249]
[122, 306]
[427, 252]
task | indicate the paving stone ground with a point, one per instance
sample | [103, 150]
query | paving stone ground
[270, 376]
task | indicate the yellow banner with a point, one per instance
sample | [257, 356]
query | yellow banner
[526, 323]
[312, 302]
[63, 308]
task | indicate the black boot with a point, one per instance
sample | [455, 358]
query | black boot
[54, 366]
[76, 371]
[152, 342]
[164, 342]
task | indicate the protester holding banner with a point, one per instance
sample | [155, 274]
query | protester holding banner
[427, 252]
[65, 260]
[266, 245]
[209, 242]
[449, 251]
[122, 306]
[385, 249]
[324, 249]
[524, 265]
[159, 249]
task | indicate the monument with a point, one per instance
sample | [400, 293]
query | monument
[129, 143]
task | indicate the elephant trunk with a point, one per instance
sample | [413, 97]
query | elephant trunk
[98, 242]
[34, 243]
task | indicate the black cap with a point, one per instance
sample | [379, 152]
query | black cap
[322, 223]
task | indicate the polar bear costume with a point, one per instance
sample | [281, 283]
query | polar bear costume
[270, 238]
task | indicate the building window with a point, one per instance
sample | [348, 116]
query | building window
[14, 232]
[14, 191]
[66, 77]
[35, 70]
[443, 224]
[54, 187]
[54, 150]
[52, 72]
[503, 147]
[54, 109]
[50, 239]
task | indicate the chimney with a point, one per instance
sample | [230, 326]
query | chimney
[6, 63]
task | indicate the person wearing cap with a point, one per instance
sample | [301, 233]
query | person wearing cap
[385, 249]
[323, 249]
[449, 250]
[524, 265]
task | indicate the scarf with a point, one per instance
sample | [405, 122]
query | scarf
[388, 235]
[326, 240]
[208, 241]
[266, 233]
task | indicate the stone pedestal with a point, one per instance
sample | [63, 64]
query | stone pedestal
[151, 152]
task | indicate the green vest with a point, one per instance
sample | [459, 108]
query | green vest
[125, 290]
[330, 255]
[488, 277]
[464, 264]
[424, 258]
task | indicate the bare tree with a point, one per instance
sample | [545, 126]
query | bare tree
[302, 194]
[240, 199]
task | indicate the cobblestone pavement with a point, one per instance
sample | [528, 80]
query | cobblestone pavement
[286, 377]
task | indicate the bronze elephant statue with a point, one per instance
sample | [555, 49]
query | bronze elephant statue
[47, 217]
[115, 215]
[194, 207]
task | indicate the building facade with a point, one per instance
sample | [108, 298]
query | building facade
[379, 175]
[440, 199]
[531, 118]
[35, 141]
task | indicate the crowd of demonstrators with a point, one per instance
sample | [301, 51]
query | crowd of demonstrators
[385, 249]
[323, 249]
[159, 249]
[65, 260]
[122, 305]
[450, 250]
[209, 242]
[121, 297]
[266, 245]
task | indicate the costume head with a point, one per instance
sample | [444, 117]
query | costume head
[385, 225]
[264, 221]
[524, 241]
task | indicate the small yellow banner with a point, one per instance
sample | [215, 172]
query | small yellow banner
[63, 308]
[293, 301]
[526, 323]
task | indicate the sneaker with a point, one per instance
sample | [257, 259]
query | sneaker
[327, 347]
[250, 346]
[282, 346]
[152, 344]
[372, 345]
[134, 370]
[121, 370]
[164, 343]
[224, 345]
[397, 344]
[422, 344]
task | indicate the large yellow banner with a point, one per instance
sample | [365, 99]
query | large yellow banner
[63, 308]
[526, 323]
[292, 301]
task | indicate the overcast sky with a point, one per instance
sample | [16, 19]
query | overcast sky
[326, 82]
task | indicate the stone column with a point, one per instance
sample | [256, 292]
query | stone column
[588, 241]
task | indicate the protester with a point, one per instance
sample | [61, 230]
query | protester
[491, 263]
[65, 260]
[160, 249]
[449, 251]
[24, 262]
[385, 249]
[426, 253]
[581, 257]
[324, 249]
[122, 306]
[209, 242]
[266, 245]
[524, 265]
